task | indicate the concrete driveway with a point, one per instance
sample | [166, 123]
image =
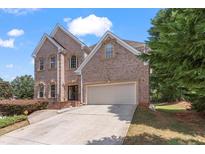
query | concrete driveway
[90, 124]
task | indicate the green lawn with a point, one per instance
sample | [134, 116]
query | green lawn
[169, 107]
[170, 124]
[11, 120]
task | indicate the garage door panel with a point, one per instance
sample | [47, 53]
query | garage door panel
[112, 94]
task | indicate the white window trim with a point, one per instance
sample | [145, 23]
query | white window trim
[54, 63]
[39, 64]
[108, 46]
[50, 90]
[44, 89]
[76, 58]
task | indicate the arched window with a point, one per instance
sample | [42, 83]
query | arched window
[108, 51]
[41, 91]
[53, 91]
[73, 62]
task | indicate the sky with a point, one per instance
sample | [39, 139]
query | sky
[22, 29]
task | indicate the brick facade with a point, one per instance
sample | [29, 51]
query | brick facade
[46, 76]
[124, 66]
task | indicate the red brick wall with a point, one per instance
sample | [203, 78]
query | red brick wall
[47, 75]
[124, 66]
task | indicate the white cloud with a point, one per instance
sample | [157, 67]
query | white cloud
[67, 19]
[20, 11]
[9, 66]
[7, 43]
[91, 24]
[15, 32]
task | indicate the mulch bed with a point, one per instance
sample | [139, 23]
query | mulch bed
[20, 101]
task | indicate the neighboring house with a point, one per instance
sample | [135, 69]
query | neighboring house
[106, 73]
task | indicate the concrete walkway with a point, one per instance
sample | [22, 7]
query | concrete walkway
[91, 124]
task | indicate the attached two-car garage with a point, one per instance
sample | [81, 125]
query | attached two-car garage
[118, 93]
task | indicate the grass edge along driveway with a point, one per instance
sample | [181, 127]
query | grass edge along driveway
[11, 123]
[170, 124]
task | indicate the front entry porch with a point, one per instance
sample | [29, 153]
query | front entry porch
[73, 93]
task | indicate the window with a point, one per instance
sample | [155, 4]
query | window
[41, 90]
[53, 62]
[109, 51]
[73, 92]
[73, 62]
[53, 91]
[41, 64]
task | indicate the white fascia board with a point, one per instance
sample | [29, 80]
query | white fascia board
[43, 39]
[121, 42]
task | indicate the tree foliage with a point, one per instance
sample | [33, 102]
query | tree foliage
[23, 87]
[178, 54]
[5, 90]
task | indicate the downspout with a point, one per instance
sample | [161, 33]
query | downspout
[81, 87]
[58, 86]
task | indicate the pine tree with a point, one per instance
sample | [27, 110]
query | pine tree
[177, 41]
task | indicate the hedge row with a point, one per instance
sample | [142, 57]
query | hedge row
[18, 107]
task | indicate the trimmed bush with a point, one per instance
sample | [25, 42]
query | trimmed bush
[18, 107]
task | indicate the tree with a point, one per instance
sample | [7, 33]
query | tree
[23, 87]
[5, 90]
[178, 53]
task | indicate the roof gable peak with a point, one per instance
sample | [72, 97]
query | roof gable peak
[41, 42]
[58, 26]
[95, 49]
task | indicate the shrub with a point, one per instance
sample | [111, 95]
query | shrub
[17, 107]
[198, 104]
[5, 90]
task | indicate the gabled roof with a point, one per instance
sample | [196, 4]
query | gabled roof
[43, 39]
[140, 46]
[67, 33]
[95, 49]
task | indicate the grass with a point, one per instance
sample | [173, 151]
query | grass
[170, 107]
[10, 120]
[13, 127]
[170, 124]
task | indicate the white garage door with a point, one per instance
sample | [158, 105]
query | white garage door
[124, 93]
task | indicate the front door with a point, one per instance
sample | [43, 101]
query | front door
[73, 92]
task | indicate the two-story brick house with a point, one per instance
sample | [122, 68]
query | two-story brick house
[106, 73]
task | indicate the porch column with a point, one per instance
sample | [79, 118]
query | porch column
[60, 78]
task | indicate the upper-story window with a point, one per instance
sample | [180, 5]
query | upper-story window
[53, 91]
[108, 51]
[53, 62]
[73, 62]
[41, 64]
[41, 91]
